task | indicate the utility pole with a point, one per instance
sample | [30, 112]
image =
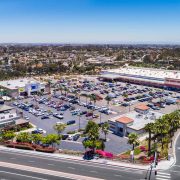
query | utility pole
[153, 164]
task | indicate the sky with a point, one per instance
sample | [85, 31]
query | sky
[90, 21]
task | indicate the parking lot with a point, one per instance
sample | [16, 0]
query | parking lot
[71, 106]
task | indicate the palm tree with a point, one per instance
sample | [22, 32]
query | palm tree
[59, 128]
[93, 98]
[105, 129]
[162, 128]
[108, 99]
[133, 140]
[150, 129]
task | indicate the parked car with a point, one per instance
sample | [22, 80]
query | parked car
[71, 122]
[37, 131]
[45, 117]
[64, 136]
[76, 137]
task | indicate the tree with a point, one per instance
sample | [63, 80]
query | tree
[108, 99]
[133, 140]
[93, 98]
[8, 135]
[162, 128]
[36, 138]
[105, 129]
[92, 130]
[51, 139]
[59, 128]
[149, 128]
[24, 137]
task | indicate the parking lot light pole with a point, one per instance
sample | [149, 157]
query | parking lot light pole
[100, 117]
[79, 121]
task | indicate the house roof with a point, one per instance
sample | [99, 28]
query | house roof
[142, 107]
[124, 120]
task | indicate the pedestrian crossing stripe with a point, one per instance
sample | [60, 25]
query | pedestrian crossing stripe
[163, 176]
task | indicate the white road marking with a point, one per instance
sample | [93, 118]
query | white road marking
[33, 177]
[118, 175]
[71, 167]
[50, 164]
[31, 161]
[12, 158]
[164, 173]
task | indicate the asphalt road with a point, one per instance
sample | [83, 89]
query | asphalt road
[26, 165]
[14, 174]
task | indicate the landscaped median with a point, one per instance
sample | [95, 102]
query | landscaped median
[28, 146]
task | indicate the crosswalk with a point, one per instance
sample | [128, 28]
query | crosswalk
[163, 176]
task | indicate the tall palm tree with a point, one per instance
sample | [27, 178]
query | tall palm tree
[133, 140]
[150, 129]
[108, 99]
[105, 129]
[162, 128]
[59, 128]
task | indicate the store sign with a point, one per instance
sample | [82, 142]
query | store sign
[21, 89]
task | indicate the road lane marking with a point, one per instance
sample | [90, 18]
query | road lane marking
[47, 172]
[31, 161]
[12, 158]
[50, 164]
[71, 168]
[164, 173]
[32, 177]
[118, 175]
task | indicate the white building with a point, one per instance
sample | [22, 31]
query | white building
[146, 76]
[23, 87]
[133, 121]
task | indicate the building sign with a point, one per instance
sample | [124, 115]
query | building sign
[22, 89]
[34, 87]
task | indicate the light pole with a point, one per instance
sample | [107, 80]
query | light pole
[79, 121]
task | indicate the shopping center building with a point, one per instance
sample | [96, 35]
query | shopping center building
[144, 76]
[23, 87]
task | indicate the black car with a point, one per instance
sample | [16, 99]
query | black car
[71, 122]
[65, 136]
[45, 117]
[76, 137]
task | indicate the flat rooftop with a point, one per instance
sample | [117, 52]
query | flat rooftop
[17, 83]
[5, 108]
[146, 72]
[139, 120]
